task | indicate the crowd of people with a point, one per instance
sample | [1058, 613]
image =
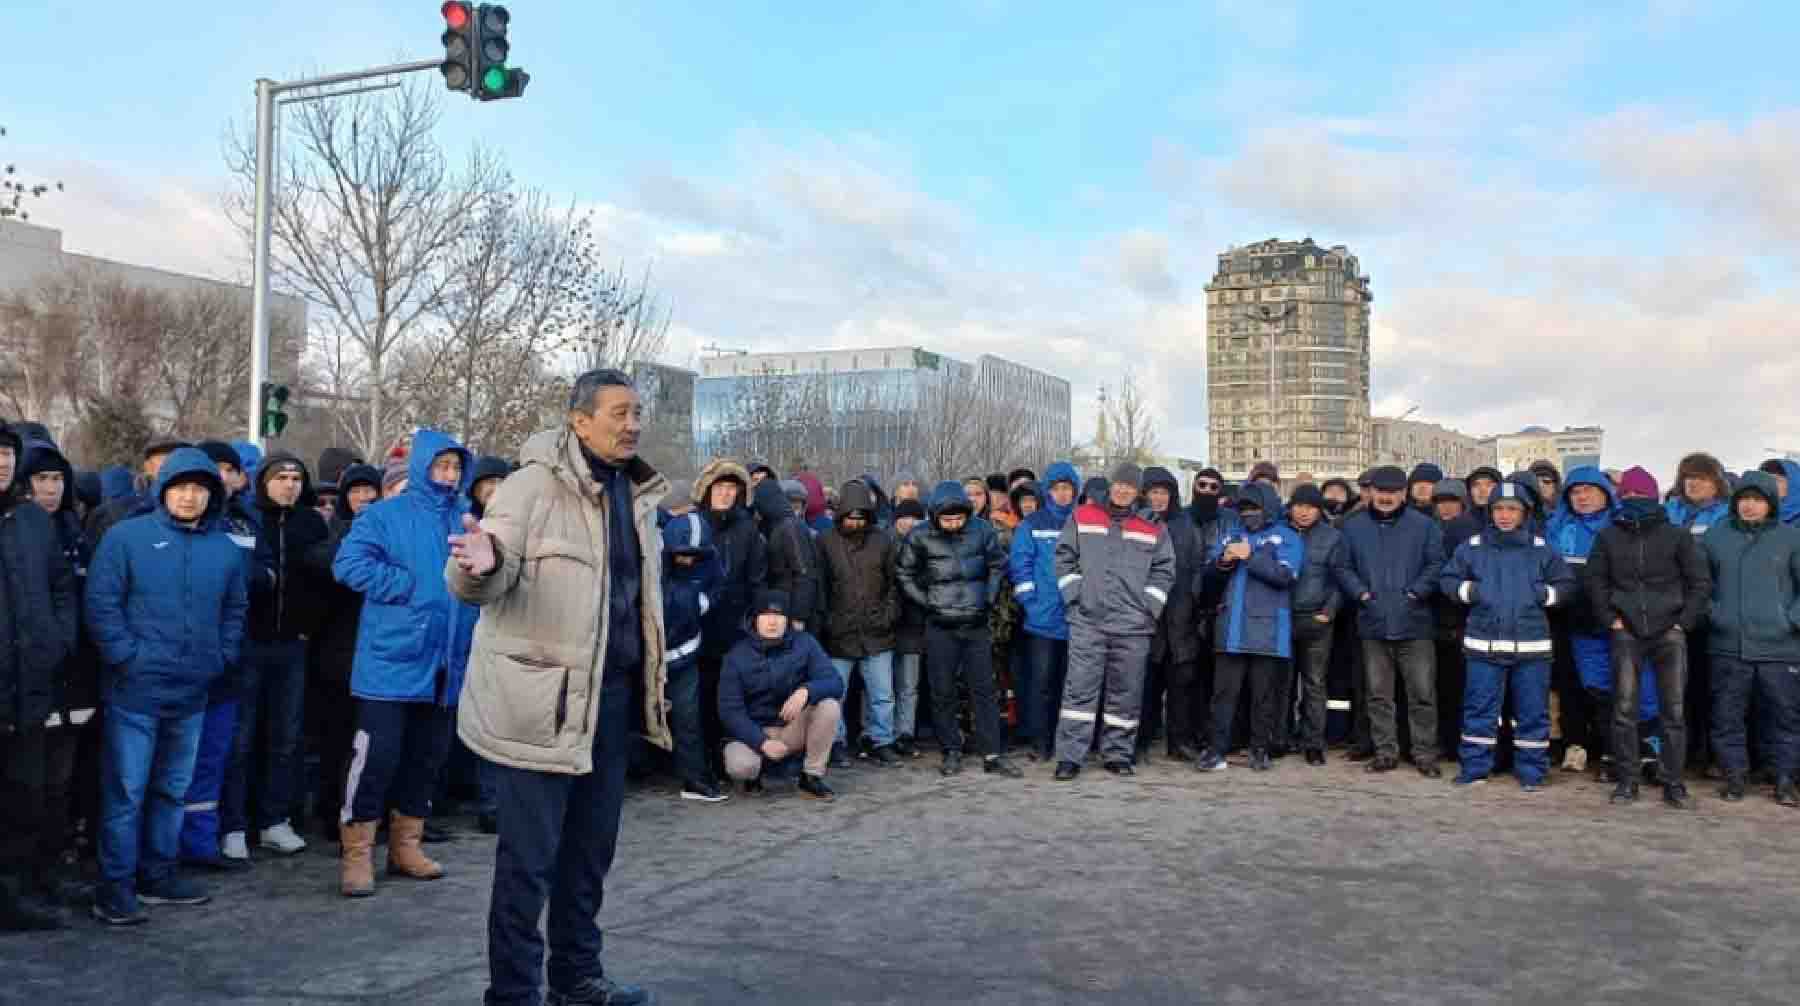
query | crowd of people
[182, 643]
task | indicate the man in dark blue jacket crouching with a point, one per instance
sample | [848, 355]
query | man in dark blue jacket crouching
[779, 696]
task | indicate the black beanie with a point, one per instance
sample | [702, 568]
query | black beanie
[1308, 494]
[221, 453]
[909, 508]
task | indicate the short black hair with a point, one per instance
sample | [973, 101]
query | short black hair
[588, 385]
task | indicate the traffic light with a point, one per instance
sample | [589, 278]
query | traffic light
[459, 46]
[274, 408]
[493, 78]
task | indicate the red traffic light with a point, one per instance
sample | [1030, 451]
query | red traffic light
[456, 14]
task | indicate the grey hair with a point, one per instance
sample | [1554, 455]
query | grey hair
[588, 385]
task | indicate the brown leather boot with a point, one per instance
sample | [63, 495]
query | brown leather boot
[405, 859]
[356, 866]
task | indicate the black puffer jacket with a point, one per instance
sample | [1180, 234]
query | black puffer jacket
[793, 555]
[38, 613]
[862, 601]
[286, 595]
[954, 576]
[77, 686]
[1177, 637]
[1648, 572]
[743, 559]
[334, 648]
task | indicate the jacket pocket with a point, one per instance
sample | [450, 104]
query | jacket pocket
[524, 700]
[400, 634]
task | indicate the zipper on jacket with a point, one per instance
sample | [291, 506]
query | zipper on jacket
[1643, 596]
[562, 702]
[280, 570]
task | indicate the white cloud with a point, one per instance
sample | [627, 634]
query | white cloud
[172, 223]
[1144, 264]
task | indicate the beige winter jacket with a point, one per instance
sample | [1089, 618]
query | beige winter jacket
[532, 693]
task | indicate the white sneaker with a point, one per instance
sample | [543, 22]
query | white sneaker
[233, 847]
[282, 839]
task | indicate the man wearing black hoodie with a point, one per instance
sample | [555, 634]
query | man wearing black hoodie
[38, 613]
[721, 493]
[285, 611]
[1175, 649]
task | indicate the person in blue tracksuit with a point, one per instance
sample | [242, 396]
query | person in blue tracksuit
[167, 601]
[690, 571]
[1587, 506]
[1787, 481]
[1508, 577]
[1701, 500]
[412, 648]
[1032, 569]
[1252, 633]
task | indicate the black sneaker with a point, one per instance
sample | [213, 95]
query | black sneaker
[173, 889]
[1120, 768]
[1000, 765]
[1733, 790]
[1785, 793]
[1430, 770]
[118, 910]
[704, 792]
[840, 756]
[886, 757]
[1259, 760]
[1625, 792]
[1067, 770]
[489, 823]
[598, 992]
[1184, 753]
[754, 787]
[905, 747]
[1314, 756]
[952, 763]
[814, 786]
[1382, 763]
[1676, 796]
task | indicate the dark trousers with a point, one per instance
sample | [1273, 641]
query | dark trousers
[337, 733]
[712, 729]
[1452, 678]
[1415, 660]
[557, 837]
[1733, 683]
[1348, 659]
[37, 768]
[1181, 677]
[271, 713]
[1312, 658]
[1667, 655]
[395, 757]
[685, 723]
[1698, 710]
[966, 655]
[1229, 672]
[1049, 662]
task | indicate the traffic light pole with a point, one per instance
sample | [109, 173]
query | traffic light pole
[266, 92]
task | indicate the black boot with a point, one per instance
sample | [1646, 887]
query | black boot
[1625, 792]
[22, 911]
[1785, 793]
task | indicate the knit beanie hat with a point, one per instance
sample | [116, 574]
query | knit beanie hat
[1307, 494]
[1127, 473]
[393, 473]
[220, 453]
[909, 508]
[1265, 470]
[1638, 482]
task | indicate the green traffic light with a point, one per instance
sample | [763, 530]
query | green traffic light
[494, 80]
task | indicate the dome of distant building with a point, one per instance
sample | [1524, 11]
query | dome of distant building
[1535, 429]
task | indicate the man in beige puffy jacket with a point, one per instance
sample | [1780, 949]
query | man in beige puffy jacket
[567, 666]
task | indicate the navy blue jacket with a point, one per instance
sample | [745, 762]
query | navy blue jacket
[1255, 613]
[1507, 578]
[1755, 586]
[686, 589]
[760, 674]
[412, 644]
[166, 604]
[1395, 560]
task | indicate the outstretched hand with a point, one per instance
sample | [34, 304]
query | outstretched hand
[473, 550]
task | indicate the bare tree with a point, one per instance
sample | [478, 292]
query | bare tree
[203, 362]
[618, 321]
[14, 190]
[39, 337]
[1130, 430]
[366, 212]
[775, 417]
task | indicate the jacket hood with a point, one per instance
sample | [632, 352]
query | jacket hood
[87, 489]
[1587, 475]
[116, 482]
[426, 445]
[349, 478]
[191, 464]
[1156, 475]
[723, 468]
[771, 504]
[308, 496]
[1487, 472]
[1061, 471]
[1548, 469]
[332, 462]
[1761, 483]
[1790, 504]
[249, 455]
[28, 431]
[815, 495]
[1527, 488]
[1571, 533]
[688, 534]
[1262, 495]
[1094, 489]
[490, 467]
[948, 496]
[42, 456]
[855, 496]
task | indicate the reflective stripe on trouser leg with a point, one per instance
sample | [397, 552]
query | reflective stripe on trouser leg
[200, 821]
[1077, 714]
[1484, 690]
[1127, 662]
[1531, 724]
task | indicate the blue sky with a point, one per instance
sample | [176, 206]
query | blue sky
[1571, 214]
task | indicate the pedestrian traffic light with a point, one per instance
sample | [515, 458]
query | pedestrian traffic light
[459, 46]
[493, 78]
[274, 408]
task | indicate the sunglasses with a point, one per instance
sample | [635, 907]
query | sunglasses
[1212, 486]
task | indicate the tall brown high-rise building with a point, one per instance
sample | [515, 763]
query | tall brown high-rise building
[1287, 353]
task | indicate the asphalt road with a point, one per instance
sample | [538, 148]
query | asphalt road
[1299, 885]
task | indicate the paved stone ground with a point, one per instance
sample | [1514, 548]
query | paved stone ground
[1318, 885]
